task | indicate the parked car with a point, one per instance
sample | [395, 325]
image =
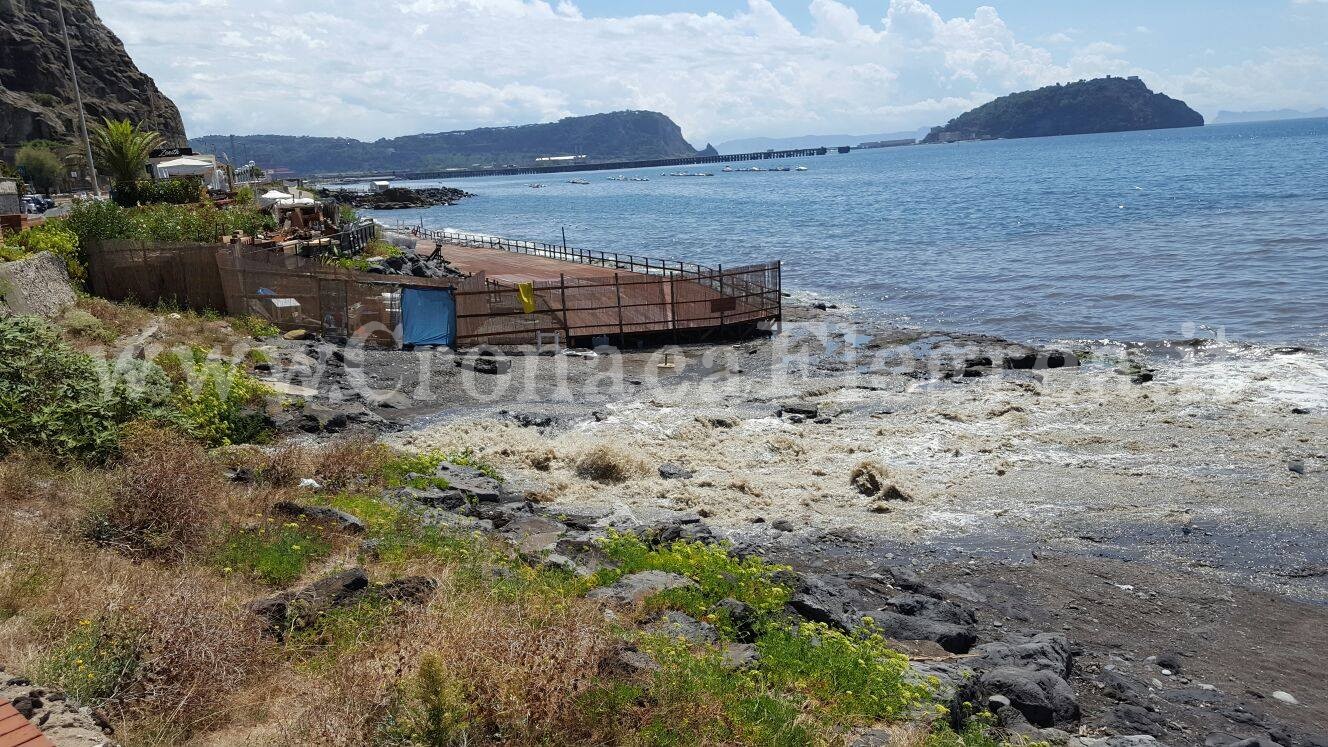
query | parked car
[33, 206]
[45, 200]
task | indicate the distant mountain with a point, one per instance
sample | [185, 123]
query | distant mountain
[617, 136]
[1099, 105]
[758, 144]
[37, 92]
[1225, 117]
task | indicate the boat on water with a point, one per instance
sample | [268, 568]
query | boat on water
[618, 178]
[800, 168]
[728, 169]
[535, 186]
[577, 181]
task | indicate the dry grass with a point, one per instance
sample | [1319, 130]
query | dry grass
[193, 642]
[167, 495]
[337, 466]
[609, 464]
[518, 663]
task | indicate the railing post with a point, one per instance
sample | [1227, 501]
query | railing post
[622, 335]
[567, 325]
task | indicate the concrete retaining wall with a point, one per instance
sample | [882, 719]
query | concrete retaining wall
[37, 286]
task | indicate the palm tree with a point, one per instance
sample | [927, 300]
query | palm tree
[121, 150]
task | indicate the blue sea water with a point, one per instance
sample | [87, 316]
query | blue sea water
[1140, 236]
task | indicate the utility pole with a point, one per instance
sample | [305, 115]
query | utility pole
[78, 97]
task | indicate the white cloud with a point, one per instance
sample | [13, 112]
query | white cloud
[369, 70]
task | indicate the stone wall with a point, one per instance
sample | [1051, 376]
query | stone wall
[37, 286]
[9, 200]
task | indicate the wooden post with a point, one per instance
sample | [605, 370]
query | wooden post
[567, 326]
[622, 335]
[673, 307]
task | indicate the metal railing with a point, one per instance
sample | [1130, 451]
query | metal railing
[610, 260]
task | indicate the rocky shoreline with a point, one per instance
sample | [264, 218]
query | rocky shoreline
[396, 198]
[1105, 597]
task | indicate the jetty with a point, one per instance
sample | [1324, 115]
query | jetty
[338, 178]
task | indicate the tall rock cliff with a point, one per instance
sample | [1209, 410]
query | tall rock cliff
[615, 136]
[36, 92]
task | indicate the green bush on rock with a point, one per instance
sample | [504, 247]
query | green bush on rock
[65, 404]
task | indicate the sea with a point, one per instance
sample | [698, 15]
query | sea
[1213, 233]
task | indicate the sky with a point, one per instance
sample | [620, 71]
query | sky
[722, 69]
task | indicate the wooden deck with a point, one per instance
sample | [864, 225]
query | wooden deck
[16, 731]
[512, 268]
[585, 299]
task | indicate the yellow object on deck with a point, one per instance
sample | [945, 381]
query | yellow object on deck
[526, 292]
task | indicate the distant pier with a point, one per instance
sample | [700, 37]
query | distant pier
[570, 167]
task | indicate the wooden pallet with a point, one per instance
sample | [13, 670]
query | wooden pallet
[16, 731]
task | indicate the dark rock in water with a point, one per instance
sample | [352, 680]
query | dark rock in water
[1044, 698]
[674, 472]
[1041, 359]
[322, 515]
[636, 587]
[807, 410]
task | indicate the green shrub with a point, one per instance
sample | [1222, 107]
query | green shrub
[65, 404]
[91, 665]
[717, 572]
[274, 553]
[855, 676]
[696, 699]
[104, 221]
[98, 220]
[397, 536]
[182, 190]
[80, 323]
[429, 709]
[349, 263]
[215, 401]
[56, 237]
[254, 326]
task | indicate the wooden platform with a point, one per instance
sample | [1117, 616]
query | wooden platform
[16, 731]
[512, 268]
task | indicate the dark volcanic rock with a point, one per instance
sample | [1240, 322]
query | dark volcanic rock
[37, 93]
[1041, 696]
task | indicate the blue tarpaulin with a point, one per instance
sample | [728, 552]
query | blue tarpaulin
[428, 316]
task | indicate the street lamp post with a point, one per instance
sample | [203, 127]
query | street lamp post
[78, 97]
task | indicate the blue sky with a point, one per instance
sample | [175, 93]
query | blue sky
[722, 69]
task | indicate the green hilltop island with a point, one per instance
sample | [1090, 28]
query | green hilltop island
[1087, 106]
